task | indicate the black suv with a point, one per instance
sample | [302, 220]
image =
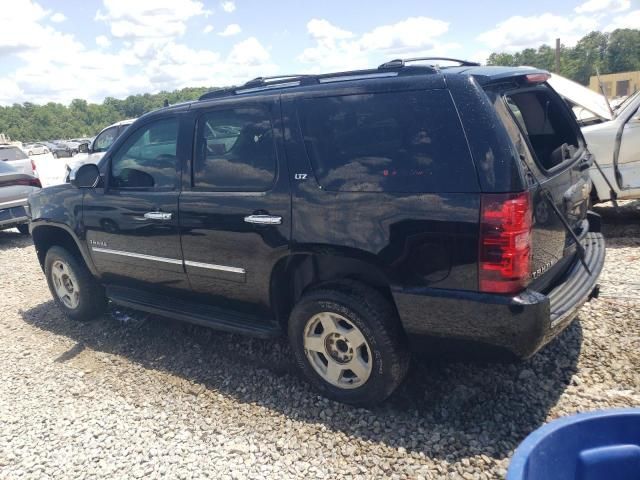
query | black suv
[363, 213]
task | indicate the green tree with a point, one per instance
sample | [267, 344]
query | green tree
[614, 52]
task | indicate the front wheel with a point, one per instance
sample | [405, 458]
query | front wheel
[73, 287]
[23, 228]
[348, 343]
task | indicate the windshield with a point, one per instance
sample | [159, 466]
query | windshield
[12, 153]
[627, 101]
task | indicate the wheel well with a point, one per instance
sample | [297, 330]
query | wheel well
[46, 237]
[299, 273]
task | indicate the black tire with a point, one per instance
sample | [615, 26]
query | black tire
[378, 322]
[91, 296]
[23, 228]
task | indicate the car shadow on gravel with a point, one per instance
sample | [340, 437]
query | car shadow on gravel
[10, 239]
[445, 409]
[620, 226]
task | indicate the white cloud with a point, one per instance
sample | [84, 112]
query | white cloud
[102, 41]
[230, 30]
[249, 53]
[519, 32]
[336, 48]
[55, 66]
[149, 18]
[208, 29]
[628, 20]
[322, 29]
[21, 30]
[414, 33]
[58, 17]
[608, 6]
[228, 6]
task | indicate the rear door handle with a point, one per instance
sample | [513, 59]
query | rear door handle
[158, 216]
[263, 219]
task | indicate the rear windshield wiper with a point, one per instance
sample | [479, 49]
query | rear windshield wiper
[582, 253]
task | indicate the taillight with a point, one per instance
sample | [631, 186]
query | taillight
[534, 78]
[33, 167]
[505, 242]
[26, 182]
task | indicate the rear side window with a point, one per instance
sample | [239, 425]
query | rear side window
[391, 142]
[235, 150]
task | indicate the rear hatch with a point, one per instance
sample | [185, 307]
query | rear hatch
[15, 188]
[12, 155]
[555, 163]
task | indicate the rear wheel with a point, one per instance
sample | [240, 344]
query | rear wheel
[347, 342]
[23, 229]
[73, 287]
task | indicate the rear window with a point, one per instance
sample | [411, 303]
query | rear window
[391, 142]
[8, 154]
[543, 121]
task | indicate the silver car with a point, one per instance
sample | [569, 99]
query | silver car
[15, 187]
[16, 157]
[612, 135]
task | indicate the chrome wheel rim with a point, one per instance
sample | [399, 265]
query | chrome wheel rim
[337, 350]
[65, 284]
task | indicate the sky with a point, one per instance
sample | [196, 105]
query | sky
[55, 51]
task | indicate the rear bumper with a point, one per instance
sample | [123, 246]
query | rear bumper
[13, 216]
[521, 324]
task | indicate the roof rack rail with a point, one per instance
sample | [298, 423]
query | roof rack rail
[274, 79]
[260, 83]
[401, 62]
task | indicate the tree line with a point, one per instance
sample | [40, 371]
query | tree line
[618, 51]
[28, 122]
[613, 52]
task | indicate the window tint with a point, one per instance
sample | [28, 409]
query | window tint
[234, 150]
[105, 140]
[392, 142]
[148, 158]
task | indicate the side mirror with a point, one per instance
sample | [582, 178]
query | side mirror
[83, 148]
[85, 176]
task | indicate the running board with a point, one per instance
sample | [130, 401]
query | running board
[196, 313]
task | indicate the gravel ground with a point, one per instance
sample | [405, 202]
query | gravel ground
[136, 396]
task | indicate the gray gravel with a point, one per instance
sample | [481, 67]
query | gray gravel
[132, 395]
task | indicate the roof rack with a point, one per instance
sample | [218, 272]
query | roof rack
[263, 83]
[401, 62]
[283, 81]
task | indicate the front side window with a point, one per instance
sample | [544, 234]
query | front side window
[147, 159]
[234, 151]
[387, 142]
[105, 140]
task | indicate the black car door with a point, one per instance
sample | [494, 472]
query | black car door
[132, 223]
[235, 205]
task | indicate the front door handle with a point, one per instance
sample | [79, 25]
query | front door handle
[263, 219]
[158, 216]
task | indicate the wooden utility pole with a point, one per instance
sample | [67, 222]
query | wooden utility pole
[557, 55]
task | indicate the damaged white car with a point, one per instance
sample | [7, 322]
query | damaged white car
[613, 136]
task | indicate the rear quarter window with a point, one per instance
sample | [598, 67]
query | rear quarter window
[387, 142]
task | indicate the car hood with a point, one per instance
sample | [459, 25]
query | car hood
[581, 96]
